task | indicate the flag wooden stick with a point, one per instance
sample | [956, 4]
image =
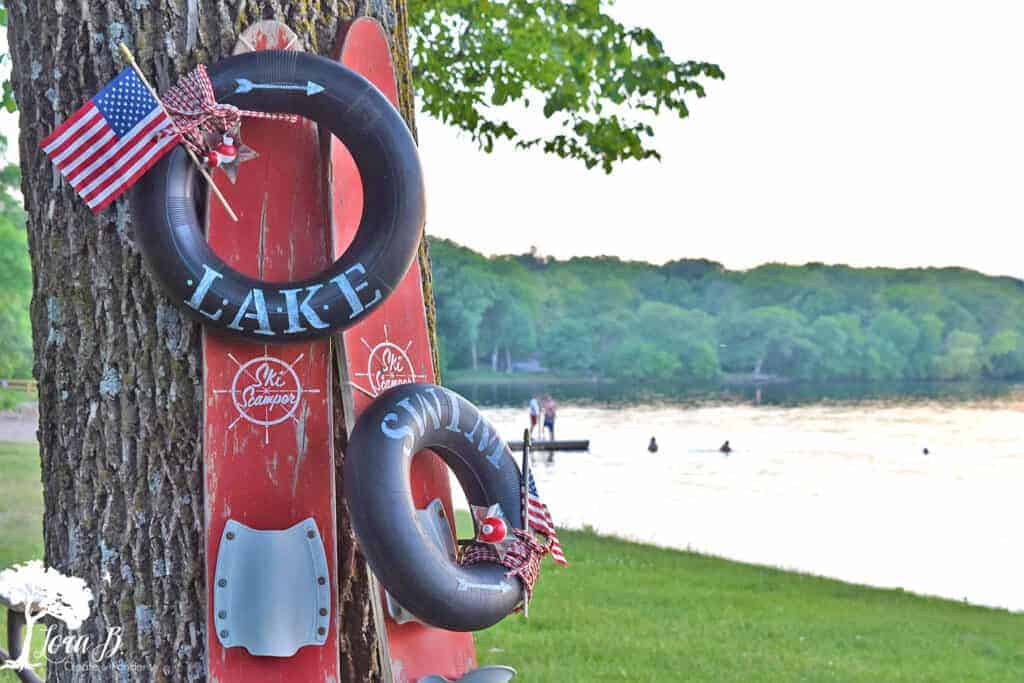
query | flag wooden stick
[131, 60]
[526, 510]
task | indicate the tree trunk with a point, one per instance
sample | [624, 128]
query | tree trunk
[473, 352]
[494, 358]
[119, 368]
[508, 360]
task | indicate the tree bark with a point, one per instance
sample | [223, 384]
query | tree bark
[119, 368]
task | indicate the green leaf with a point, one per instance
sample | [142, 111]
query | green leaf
[607, 79]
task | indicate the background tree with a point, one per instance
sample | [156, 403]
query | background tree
[595, 77]
[604, 316]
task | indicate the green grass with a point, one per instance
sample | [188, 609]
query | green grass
[21, 522]
[629, 612]
[12, 398]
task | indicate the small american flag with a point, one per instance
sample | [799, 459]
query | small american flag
[105, 146]
[540, 518]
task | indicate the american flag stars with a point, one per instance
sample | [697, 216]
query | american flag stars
[124, 102]
[105, 146]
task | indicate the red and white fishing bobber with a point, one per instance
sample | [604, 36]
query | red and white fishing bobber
[224, 153]
[492, 527]
[493, 530]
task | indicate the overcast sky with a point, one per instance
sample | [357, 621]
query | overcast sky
[869, 132]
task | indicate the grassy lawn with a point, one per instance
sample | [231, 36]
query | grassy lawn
[12, 398]
[21, 521]
[628, 612]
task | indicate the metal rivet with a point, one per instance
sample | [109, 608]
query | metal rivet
[223, 634]
[222, 614]
[323, 611]
[321, 580]
[222, 583]
[311, 533]
[231, 535]
[321, 630]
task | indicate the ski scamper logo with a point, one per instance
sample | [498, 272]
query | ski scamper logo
[266, 391]
[388, 365]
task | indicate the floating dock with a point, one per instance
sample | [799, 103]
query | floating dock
[579, 445]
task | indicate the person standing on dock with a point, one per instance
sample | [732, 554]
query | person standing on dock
[534, 414]
[549, 416]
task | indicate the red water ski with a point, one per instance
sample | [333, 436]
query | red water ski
[269, 464]
[388, 348]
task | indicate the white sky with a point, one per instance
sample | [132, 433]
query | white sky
[869, 133]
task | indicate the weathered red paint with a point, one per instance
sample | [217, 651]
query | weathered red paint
[271, 477]
[392, 345]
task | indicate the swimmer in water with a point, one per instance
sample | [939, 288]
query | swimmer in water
[726, 448]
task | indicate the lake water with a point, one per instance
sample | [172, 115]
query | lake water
[830, 481]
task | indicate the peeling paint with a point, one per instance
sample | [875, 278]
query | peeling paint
[301, 445]
[272, 469]
[110, 384]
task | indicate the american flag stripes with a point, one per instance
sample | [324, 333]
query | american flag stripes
[540, 518]
[105, 146]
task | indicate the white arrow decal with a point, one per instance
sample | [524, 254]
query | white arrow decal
[501, 588]
[245, 85]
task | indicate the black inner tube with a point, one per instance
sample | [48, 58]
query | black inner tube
[171, 236]
[404, 421]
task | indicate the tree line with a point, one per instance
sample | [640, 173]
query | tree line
[694, 320]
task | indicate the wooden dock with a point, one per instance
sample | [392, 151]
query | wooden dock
[578, 445]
